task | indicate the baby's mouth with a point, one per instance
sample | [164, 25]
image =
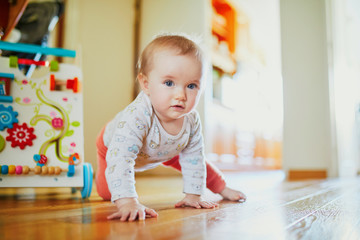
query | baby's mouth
[178, 106]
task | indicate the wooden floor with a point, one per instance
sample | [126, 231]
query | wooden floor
[275, 209]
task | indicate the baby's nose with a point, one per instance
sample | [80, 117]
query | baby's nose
[180, 94]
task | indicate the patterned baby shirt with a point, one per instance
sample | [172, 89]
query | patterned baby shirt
[136, 141]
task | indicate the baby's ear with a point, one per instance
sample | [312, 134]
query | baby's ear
[144, 83]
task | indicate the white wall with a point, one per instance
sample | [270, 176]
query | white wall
[307, 129]
[344, 48]
[102, 34]
[174, 16]
[186, 16]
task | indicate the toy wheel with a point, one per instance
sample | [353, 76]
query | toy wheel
[88, 178]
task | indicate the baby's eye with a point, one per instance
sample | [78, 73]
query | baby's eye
[169, 83]
[192, 86]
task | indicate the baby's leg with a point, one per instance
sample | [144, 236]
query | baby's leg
[216, 183]
[100, 180]
[214, 180]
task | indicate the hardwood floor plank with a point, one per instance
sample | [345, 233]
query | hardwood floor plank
[338, 219]
[328, 209]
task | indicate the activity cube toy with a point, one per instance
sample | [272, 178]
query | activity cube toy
[41, 123]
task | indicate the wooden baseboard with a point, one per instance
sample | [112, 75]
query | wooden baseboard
[306, 174]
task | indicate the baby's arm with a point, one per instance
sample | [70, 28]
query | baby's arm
[193, 167]
[196, 201]
[130, 128]
[129, 209]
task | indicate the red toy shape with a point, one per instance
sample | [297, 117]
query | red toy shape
[57, 123]
[43, 159]
[20, 135]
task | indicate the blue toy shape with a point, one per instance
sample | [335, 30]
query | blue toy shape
[7, 117]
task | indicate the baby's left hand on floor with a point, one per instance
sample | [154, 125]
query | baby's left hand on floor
[196, 201]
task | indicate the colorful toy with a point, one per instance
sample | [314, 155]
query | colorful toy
[68, 84]
[41, 128]
[20, 135]
[44, 170]
[31, 48]
[7, 117]
[14, 62]
[5, 83]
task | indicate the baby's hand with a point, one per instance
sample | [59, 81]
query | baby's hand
[130, 209]
[196, 201]
[233, 195]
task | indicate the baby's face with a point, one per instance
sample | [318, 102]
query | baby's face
[174, 84]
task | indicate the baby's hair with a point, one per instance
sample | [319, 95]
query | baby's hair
[180, 43]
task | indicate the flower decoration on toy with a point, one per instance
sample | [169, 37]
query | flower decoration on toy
[40, 159]
[57, 123]
[20, 135]
[7, 117]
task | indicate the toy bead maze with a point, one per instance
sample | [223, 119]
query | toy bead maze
[41, 123]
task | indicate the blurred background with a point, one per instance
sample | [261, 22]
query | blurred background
[283, 76]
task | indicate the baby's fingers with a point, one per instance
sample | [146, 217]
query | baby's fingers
[196, 205]
[125, 216]
[114, 215]
[206, 204]
[187, 204]
[179, 204]
[134, 214]
[150, 212]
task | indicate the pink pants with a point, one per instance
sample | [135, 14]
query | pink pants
[214, 180]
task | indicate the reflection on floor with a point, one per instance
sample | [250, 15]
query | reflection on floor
[275, 209]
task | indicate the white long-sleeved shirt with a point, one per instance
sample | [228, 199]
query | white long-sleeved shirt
[136, 141]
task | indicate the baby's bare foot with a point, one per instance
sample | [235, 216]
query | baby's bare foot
[233, 195]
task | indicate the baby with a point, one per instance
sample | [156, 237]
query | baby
[160, 126]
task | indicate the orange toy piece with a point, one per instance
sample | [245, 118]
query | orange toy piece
[44, 170]
[37, 169]
[11, 169]
[52, 82]
[57, 170]
[73, 157]
[26, 169]
[51, 170]
[59, 85]
[72, 84]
